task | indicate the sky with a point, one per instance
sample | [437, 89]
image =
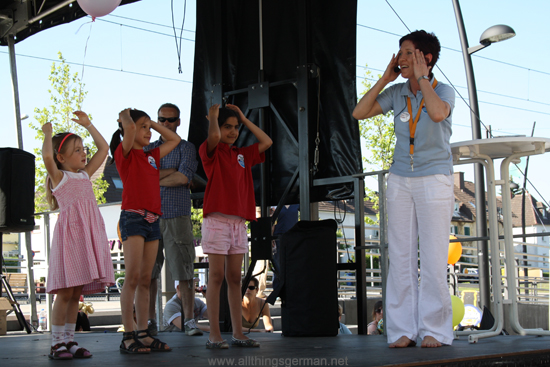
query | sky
[129, 58]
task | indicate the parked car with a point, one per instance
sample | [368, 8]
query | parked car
[470, 275]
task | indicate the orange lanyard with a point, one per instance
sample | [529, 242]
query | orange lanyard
[412, 124]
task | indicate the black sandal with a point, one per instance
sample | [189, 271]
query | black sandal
[156, 345]
[135, 347]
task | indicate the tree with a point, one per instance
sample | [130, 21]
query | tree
[379, 135]
[66, 96]
[196, 220]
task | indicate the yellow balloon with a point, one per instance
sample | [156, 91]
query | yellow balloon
[455, 251]
[458, 310]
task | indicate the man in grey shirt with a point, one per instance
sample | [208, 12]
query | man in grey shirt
[172, 311]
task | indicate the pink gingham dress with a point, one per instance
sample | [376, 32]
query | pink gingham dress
[80, 252]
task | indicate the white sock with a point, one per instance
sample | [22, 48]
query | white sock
[68, 335]
[58, 332]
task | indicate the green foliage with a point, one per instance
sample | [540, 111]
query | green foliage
[375, 261]
[196, 220]
[66, 96]
[342, 245]
[100, 186]
[379, 135]
[8, 262]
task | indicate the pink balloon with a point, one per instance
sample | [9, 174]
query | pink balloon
[98, 8]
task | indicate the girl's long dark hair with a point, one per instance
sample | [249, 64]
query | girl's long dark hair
[119, 133]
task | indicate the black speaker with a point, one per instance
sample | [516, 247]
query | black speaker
[16, 190]
[309, 291]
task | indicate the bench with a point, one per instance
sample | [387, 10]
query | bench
[17, 282]
[19, 287]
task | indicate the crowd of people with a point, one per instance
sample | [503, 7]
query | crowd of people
[155, 219]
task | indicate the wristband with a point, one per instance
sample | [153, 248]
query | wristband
[422, 77]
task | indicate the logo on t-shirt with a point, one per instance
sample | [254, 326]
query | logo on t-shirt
[152, 162]
[240, 159]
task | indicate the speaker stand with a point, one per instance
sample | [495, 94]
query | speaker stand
[260, 233]
[11, 298]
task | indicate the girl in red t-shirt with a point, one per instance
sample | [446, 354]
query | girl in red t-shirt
[228, 203]
[139, 225]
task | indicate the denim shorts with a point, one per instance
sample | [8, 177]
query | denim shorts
[133, 224]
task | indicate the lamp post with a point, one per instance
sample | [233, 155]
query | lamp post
[494, 34]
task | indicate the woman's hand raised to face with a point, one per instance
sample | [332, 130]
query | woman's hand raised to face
[420, 64]
[392, 70]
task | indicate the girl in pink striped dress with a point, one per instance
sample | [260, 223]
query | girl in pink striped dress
[80, 260]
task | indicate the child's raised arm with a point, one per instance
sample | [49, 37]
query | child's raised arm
[129, 127]
[214, 134]
[48, 155]
[264, 139]
[102, 146]
[171, 139]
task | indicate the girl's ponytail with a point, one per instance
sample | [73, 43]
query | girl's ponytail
[115, 141]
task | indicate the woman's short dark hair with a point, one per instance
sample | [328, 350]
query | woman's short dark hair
[226, 113]
[425, 42]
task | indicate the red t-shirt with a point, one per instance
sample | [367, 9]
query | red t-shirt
[140, 179]
[230, 188]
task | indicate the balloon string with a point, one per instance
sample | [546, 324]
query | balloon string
[178, 47]
[79, 101]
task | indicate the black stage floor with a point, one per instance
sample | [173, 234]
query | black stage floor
[345, 350]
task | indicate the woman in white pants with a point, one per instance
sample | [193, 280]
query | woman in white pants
[420, 192]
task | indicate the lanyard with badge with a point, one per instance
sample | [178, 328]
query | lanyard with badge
[412, 124]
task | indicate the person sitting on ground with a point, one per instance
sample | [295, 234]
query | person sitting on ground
[343, 328]
[172, 311]
[377, 314]
[253, 308]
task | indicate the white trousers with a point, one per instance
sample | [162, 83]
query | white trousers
[419, 217]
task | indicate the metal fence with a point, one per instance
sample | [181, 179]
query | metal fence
[531, 269]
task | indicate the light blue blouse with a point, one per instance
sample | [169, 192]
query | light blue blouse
[432, 149]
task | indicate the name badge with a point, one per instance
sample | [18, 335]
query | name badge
[404, 117]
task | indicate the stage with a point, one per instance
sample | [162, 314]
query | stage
[19, 349]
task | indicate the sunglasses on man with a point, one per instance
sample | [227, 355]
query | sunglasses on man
[169, 119]
[251, 287]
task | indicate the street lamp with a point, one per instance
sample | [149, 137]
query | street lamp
[493, 34]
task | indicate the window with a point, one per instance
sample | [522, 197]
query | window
[457, 208]
[466, 231]
[118, 183]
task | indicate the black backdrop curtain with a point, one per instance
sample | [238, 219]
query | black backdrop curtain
[227, 57]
